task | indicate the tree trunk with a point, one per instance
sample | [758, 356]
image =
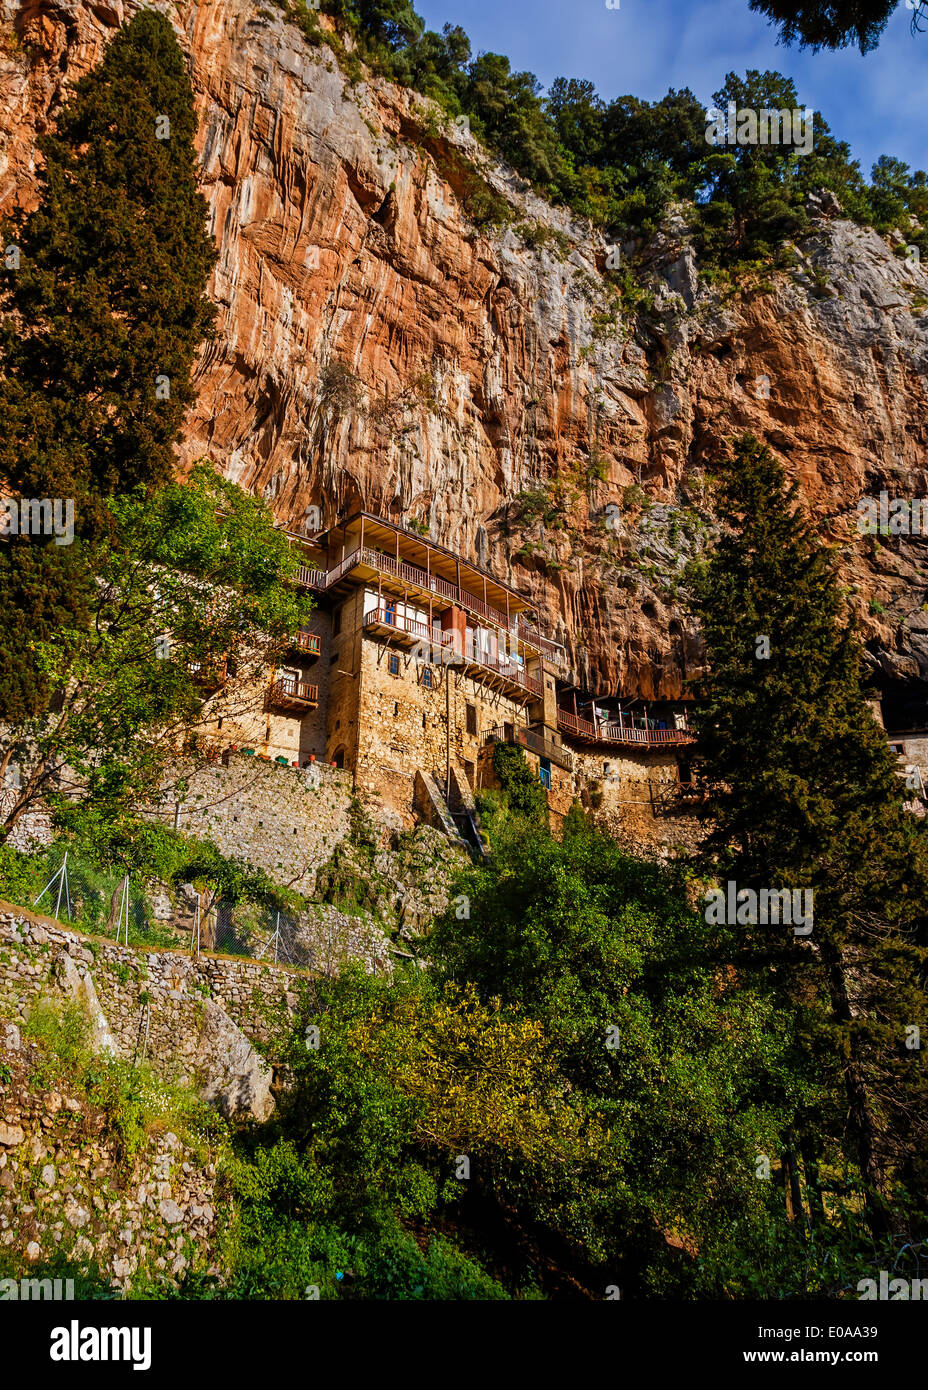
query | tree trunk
[862, 1124]
[813, 1182]
[791, 1189]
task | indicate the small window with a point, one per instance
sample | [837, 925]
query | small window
[471, 714]
[423, 721]
[898, 748]
[544, 772]
[394, 665]
[336, 622]
[427, 677]
[605, 769]
[396, 708]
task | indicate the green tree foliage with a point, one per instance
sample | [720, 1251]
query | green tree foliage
[406, 1077]
[812, 799]
[525, 796]
[43, 588]
[657, 1044]
[621, 163]
[107, 298]
[190, 591]
[820, 24]
[107, 309]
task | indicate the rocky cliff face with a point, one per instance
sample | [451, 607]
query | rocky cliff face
[380, 348]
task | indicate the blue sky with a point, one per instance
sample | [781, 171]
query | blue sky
[875, 103]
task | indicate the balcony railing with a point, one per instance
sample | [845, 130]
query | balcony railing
[571, 724]
[306, 642]
[288, 693]
[310, 578]
[433, 583]
[399, 622]
[510, 670]
[528, 738]
[620, 732]
[534, 638]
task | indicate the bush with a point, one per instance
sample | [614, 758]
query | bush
[524, 793]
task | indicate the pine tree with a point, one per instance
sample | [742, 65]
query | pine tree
[101, 321]
[107, 308]
[829, 23]
[811, 798]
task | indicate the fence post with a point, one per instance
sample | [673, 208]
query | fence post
[123, 911]
[195, 933]
[62, 877]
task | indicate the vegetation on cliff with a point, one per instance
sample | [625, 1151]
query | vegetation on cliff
[623, 162]
[101, 317]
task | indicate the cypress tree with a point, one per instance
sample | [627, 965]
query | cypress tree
[101, 321]
[810, 797]
[106, 310]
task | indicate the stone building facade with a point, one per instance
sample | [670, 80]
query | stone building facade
[416, 661]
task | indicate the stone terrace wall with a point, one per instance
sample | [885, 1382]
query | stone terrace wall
[284, 820]
[65, 1190]
[177, 988]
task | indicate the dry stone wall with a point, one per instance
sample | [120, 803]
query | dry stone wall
[66, 1190]
[284, 820]
[172, 987]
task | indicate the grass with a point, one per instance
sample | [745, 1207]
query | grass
[135, 1101]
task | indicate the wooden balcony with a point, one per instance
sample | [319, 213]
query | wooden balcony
[306, 643]
[292, 696]
[620, 733]
[376, 562]
[507, 670]
[410, 631]
[310, 578]
[537, 743]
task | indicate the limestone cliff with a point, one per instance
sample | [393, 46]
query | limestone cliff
[378, 347]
